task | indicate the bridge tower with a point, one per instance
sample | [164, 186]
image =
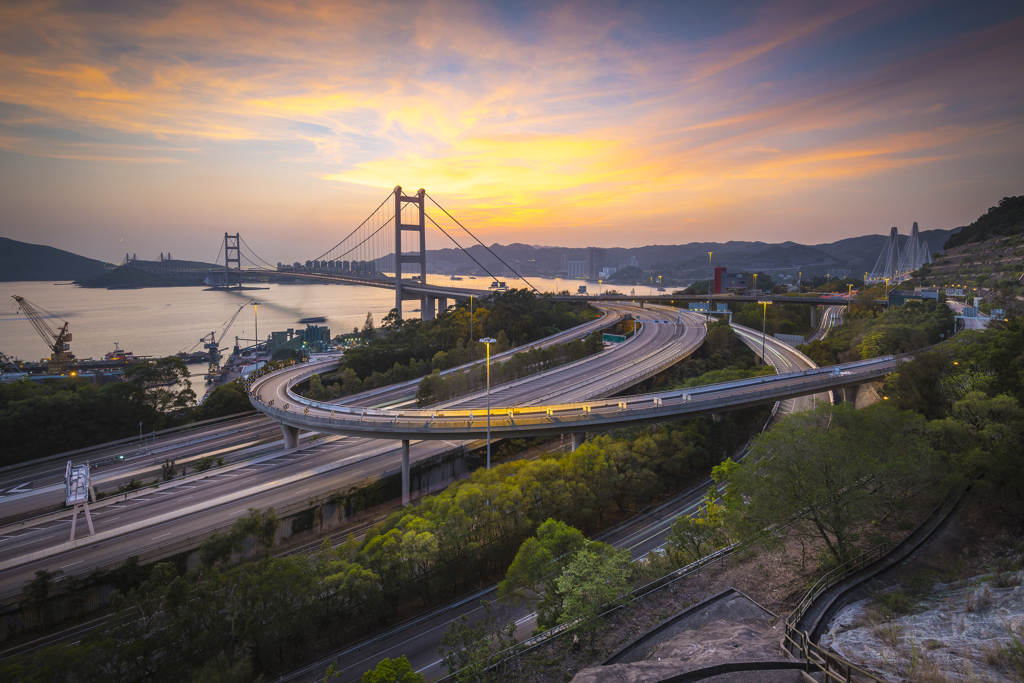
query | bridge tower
[420, 258]
[232, 255]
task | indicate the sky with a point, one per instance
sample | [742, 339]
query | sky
[155, 127]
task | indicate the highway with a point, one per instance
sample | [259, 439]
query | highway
[180, 512]
[419, 638]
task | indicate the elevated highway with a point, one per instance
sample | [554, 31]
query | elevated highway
[547, 416]
[178, 515]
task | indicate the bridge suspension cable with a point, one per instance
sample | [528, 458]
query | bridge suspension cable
[480, 243]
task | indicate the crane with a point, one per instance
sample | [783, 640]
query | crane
[210, 342]
[58, 341]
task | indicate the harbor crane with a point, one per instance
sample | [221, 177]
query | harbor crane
[210, 342]
[59, 341]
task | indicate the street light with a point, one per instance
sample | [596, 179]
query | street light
[755, 283]
[849, 295]
[488, 341]
[764, 323]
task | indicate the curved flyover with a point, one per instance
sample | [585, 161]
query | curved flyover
[548, 415]
[660, 342]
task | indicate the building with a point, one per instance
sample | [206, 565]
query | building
[576, 269]
[725, 283]
[595, 262]
[607, 272]
[898, 297]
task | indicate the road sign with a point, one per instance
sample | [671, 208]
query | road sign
[613, 338]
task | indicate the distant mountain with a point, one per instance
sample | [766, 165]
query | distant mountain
[20, 261]
[999, 221]
[127, 277]
[857, 254]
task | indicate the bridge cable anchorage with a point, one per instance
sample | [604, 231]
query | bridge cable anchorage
[482, 244]
[464, 250]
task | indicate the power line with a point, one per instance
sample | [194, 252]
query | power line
[481, 244]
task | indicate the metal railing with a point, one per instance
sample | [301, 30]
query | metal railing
[799, 642]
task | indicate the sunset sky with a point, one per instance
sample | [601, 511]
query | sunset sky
[149, 127]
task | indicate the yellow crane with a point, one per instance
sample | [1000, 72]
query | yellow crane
[59, 341]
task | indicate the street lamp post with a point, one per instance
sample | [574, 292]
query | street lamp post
[764, 324]
[470, 328]
[849, 295]
[140, 436]
[755, 283]
[488, 341]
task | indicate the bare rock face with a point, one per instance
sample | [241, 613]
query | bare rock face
[731, 629]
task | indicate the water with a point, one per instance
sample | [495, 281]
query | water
[163, 321]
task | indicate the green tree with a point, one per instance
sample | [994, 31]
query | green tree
[590, 583]
[38, 590]
[368, 329]
[532, 576]
[827, 472]
[396, 670]
[467, 650]
[692, 537]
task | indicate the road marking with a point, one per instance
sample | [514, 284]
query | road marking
[25, 544]
[162, 535]
[237, 512]
[302, 490]
[72, 564]
[187, 497]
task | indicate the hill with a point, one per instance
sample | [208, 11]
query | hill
[1005, 220]
[127, 277]
[21, 261]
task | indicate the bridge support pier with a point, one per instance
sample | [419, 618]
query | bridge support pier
[405, 472]
[577, 439]
[814, 317]
[427, 308]
[442, 305]
[717, 417]
[291, 436]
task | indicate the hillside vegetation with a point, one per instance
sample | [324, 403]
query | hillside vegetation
[1004, 220]
[127, 277]
[20, 261]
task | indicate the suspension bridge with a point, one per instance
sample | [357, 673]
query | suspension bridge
[388, 249]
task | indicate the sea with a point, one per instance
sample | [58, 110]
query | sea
[162, 321]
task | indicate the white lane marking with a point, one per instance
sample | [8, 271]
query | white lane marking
[72, 564]
[302, 490]
[25, 544]
[236, 512]
[162, 535]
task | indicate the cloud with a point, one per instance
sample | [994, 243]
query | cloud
[566, 115]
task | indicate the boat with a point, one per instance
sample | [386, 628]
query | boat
[498, 286]
[456, 277]
[119, 354]
[314, 319]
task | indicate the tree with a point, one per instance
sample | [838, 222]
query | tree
[393, 671]
[828, 471]
[38, 590]
[692, 537]
[466, 650]
[368, 330]
[591, 581]
[532, 576]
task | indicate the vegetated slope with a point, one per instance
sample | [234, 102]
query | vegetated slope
[125, 277]
[1005, 220]
[20, 261]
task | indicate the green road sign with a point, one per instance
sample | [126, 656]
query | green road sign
[614, 338]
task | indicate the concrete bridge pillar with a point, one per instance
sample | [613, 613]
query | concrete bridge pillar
[442, 305]
[717, 417]
[291, 436]
[405, 472]
[427, 308]
[814, 317]
[577, 439]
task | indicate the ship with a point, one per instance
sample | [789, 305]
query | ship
[311, 321]
[119, 354]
